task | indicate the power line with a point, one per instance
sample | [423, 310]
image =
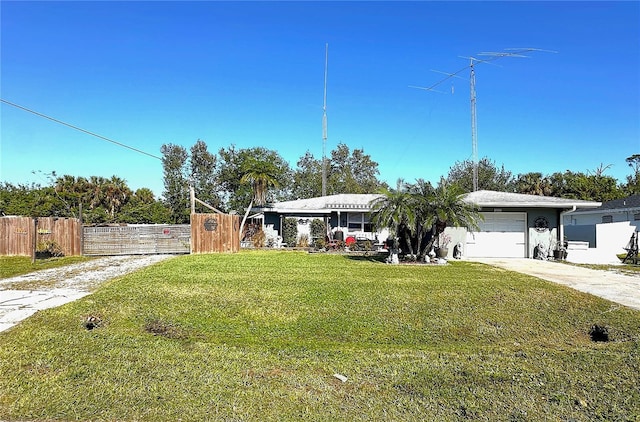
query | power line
[78, 128]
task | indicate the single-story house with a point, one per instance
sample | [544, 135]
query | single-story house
[618, 210]
[346, 213]
[513, 225]
[607, 227]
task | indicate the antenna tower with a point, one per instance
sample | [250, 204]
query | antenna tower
[324, 124]
[491, 56]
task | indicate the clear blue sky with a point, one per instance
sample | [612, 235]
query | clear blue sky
[251, 74]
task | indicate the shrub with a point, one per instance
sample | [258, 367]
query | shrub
[303, 242]
[259, 239]
[49, 248]
[290, 231]
[320, 243]
[318, 229]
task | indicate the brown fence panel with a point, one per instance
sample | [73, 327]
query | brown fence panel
[63, 231]
[17, 234]
[215, 233]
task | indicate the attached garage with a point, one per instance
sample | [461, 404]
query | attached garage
[501, 235]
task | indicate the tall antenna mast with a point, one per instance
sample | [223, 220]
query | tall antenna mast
[510, 52]
[474, 128]
[324, 124]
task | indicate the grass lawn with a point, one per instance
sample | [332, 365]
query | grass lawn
[261, 335]
[11, 266]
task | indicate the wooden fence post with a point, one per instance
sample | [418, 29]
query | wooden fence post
[34, 240]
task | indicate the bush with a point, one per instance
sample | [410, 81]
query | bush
[318, 229]
[290, 231]
[259, 239]
[303, 242]
[320, 243]
[49, 248]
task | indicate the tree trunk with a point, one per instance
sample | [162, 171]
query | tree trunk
[244, 219]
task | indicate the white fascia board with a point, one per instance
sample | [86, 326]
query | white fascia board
[536, 205]
[607, 211]
[297, 211]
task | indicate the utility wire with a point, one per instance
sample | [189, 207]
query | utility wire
[78, 128]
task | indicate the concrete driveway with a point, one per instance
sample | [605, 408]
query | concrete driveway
[611, 285]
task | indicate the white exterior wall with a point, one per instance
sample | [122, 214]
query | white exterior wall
[592, 218]
[611, 238]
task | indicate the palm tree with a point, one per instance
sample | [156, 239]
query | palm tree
[394, 210]
[261, 176]
[411, 209]
[117, 193]
[533, 183]
[448, 208]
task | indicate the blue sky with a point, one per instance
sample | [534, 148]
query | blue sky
[251, 74]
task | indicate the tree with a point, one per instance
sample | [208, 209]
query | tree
[417, 213]
[447, 208]
[395, 210]
[31, 201]
[490, 177]
[203, 174]
[347, 172]
[589, 187]
[533, 183]
[143, 208]
[176, 183]
[632, 187]
[307, 179]
[117, 193]
[351, 172]
[235, 163]
[260, 175]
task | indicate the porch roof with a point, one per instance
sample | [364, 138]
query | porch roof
[325, 204]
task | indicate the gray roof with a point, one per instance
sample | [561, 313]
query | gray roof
[482, 198]
[630, 203]
[326, 204]
[489, 198]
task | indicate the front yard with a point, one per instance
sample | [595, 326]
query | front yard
[271, 336]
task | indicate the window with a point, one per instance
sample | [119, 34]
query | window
[636, 216]
[355, 222]
[607, 219]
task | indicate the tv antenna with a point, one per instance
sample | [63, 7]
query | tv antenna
[490, 57]
[324, 123]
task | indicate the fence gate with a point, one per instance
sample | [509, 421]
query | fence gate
[137, 239]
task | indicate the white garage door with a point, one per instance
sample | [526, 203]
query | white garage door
[501, 235]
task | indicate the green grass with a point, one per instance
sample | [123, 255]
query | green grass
[11, 266]
[260, 335]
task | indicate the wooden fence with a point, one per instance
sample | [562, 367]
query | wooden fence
[215, 233]
[22, 235]
[137, 239]
[207, 233]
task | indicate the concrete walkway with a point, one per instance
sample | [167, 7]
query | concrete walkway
[611, 285]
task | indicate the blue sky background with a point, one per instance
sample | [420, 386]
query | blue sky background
[251, 74]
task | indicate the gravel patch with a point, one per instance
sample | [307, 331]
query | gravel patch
[24, 295]
[82, 276]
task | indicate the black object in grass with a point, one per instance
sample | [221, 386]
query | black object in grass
[599, 333]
